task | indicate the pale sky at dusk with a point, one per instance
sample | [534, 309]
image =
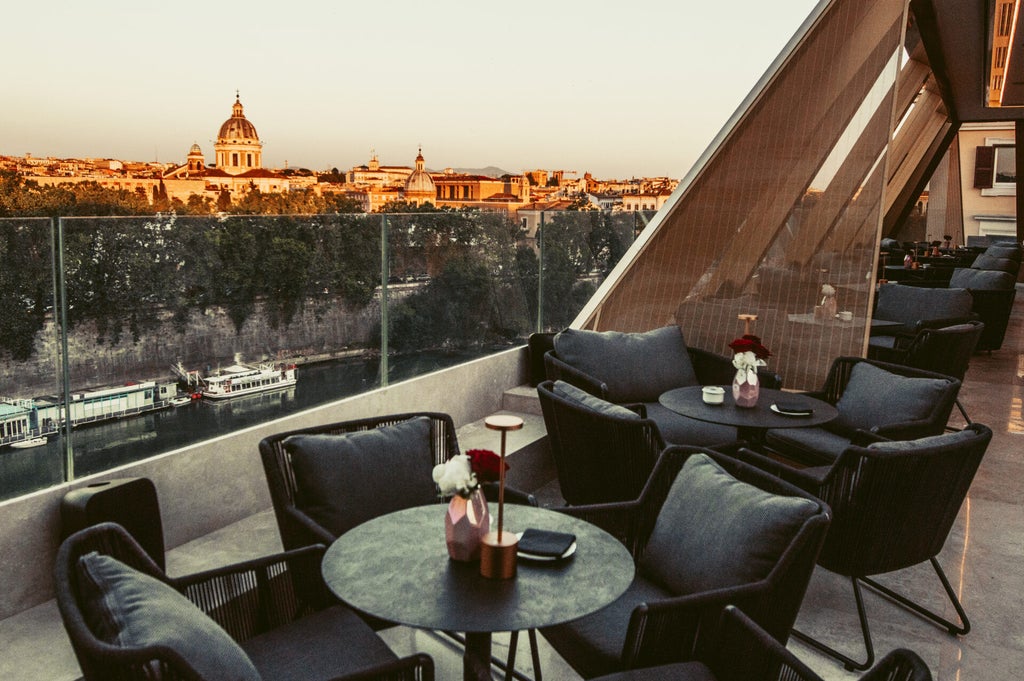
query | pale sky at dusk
[617, 89]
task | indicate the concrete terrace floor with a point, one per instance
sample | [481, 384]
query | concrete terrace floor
[982, 558]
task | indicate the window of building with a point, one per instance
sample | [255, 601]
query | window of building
[248, 160]
[995, 167]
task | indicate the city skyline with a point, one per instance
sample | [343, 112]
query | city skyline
[616, 92]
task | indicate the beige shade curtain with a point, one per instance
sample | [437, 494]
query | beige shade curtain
[791, 199]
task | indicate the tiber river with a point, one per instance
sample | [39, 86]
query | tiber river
[108, 444]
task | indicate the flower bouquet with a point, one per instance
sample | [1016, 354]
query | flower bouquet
[467, 519]
[749, 354]
[827, 308]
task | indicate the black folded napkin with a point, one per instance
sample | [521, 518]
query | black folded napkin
[793, 408]
[545, 543]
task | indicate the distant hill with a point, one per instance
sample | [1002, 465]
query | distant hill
[489, 171]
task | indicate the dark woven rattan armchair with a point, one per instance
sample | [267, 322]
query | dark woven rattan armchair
[296, 526]
[945, 350]
[321, 489]
[743, 651]
[636, 368]
[893, 504]
[679, 595]
[251, 613]
[599, 456]
[874, 398]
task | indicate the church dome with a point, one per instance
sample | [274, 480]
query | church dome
[237, 128]
[420, 182]
[195, 150]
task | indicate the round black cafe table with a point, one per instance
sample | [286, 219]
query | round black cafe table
[751, 422]
[396, 568]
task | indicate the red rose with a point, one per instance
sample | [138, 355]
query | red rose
[485, 464]
[750, 343]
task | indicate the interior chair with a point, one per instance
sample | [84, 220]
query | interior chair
[602, 451]
[946, 350]
[707, 531]
[743, 651]
[873, 398]
[992, 295]
[128, 620]
[893, 504]
[915, 307]
[636, 368]
[325, 480]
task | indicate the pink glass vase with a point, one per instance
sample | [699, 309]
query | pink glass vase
[745, 393]
[466, 522]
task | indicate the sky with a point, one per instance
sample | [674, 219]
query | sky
[616, 89]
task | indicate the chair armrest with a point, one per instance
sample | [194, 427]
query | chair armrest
[305, 530]
[557, 370]
[419, 667]
[661, 631]
[513, 495]
[808, 479]
[944, 321]
[258, 595]
[899, 664]
[743, 650]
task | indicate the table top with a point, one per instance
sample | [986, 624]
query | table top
[689, 402]
[396, 567]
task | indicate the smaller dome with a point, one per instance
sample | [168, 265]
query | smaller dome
[420, 182]
[195, 150]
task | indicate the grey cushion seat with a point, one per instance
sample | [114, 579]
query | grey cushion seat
[600, 637]
[681, 430]
[910, 305]
[282, 654]
[872, 399]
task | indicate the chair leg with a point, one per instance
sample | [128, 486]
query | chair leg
[510, 664]
[848, 663]
[952, 628]
[963, 411]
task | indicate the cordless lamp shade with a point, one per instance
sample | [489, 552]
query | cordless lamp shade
[498, 548]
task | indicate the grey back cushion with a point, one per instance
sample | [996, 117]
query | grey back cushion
[981, 280]
[959, 436]
[876, 397]
[585, 399]
[911, 304]
[129, 609]
[636, 367]
[344, 480]
[988, 261]
[715, 531]
[1008, 251]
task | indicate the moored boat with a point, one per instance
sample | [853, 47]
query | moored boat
[241, 379]
[30, 442]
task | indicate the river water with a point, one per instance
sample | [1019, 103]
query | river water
[104, 445]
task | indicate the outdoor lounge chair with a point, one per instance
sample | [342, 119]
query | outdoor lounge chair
[707, 531]
[636, 368]
[743, 651]
[893, 505]
[128, 620]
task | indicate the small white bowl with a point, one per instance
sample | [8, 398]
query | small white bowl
[714, 394]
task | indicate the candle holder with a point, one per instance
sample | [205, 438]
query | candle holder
[498, 548]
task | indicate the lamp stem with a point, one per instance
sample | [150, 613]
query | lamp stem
[501, 488]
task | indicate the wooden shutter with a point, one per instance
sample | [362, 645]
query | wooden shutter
[984, 167]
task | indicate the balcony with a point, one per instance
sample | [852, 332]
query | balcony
[979, 556]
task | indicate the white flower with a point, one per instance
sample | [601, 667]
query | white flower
[747, 361]
[455, 476]
[827, 290]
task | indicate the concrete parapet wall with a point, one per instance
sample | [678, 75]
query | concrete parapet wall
[211, 484]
